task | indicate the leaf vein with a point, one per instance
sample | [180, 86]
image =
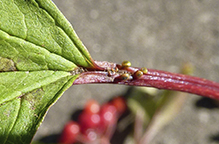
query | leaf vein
[23, 16]
[6, 140]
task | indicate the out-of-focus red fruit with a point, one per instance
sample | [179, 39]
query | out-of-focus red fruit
[108, 111]
[92, 107]
[108, 116]
[90, 135]
[120, 104]
[88, 121]
[69, 133]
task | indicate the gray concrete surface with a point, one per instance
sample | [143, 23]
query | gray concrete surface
[159, 34]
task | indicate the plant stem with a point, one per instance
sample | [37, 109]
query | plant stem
[178, 82]
[153, 78]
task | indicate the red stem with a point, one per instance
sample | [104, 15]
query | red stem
[153, 78]
[178, 82]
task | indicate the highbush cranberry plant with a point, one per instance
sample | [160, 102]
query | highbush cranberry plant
[41, 56]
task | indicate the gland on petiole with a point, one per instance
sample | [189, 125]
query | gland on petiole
[126, 64]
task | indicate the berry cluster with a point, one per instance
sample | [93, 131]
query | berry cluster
[96, 124]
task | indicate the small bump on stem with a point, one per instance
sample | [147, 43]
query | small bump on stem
[126, 64]
[144, 70]
[125, 76]
[138, 74]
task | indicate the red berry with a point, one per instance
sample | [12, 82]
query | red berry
[108, 116]
[92, 107]
[90, 135]
[120, 104]
[88, 121]
[69, 133]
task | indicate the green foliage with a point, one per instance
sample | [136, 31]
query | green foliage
[38, 51]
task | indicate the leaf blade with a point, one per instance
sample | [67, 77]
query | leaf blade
[67, 27]
[45, 28]
[31, 109]
[28, 56]
[39, 52]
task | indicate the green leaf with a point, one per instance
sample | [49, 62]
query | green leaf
[38, 52]
[39, 29]
[21, 116]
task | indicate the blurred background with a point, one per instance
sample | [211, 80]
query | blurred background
[158, 34]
